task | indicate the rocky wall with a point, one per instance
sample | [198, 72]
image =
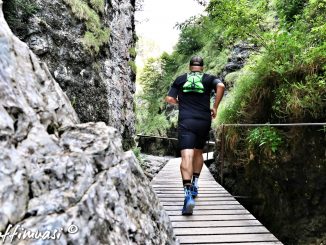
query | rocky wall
[88, 47]
[72, 182]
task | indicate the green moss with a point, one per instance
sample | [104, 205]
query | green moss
[132, 65]
[231, 78]
[93, 41]
[74, 102]
[215, 61]
[133, 52]
[96, 35]
[232, 108]
[98, 5]
[137, 152]
[96, 67]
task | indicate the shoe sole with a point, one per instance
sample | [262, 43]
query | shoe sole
[189, 209]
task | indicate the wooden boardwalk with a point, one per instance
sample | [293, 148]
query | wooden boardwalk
[218, 217]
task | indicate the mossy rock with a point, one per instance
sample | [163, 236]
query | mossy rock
[231, 78]
[96, 34]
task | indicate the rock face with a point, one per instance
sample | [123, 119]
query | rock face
[238, 57]
[57, 176]
[88, 46]
[152, 165]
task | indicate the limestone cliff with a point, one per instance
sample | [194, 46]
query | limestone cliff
[55, 173]
[88, 46]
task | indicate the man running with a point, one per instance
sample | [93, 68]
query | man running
[191, 91]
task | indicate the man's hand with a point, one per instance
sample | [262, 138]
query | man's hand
[171, 100]
[219, 94]
[213, 113]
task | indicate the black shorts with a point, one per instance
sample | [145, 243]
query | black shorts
[193, 133]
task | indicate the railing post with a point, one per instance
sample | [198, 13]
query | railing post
[222, 154]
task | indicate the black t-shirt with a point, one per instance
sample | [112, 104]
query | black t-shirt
[194, 105]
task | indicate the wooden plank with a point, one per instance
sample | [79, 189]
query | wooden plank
[206, 176]
[194, 217]
[181, 195]
[177, 179]
[240, 243]
[203, 173]
[197, 208]
[172, 187]
[198, 200]
[216, 223]
[210, 211]
[200, 197]
[173, 172]
[181, 191]
[204, 189]
[221, 230]
[214, 187]
[227, 238]
[179, 183]
[205, 203]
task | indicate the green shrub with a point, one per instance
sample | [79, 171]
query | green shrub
[190, 40]
[150, 119]
[302, 100]
[137, 151]
[289, 9]
[215, 60]
[239, 19]
[286, 82]
[17, 12]
[149, 124]
[268, 139]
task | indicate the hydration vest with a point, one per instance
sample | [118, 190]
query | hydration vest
[194, 83]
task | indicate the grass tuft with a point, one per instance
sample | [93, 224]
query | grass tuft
[96, 35]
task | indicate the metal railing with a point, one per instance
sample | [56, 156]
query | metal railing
[222, 140]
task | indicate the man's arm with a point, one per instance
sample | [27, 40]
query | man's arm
[219, 94]
[172, 95]
[171, 100]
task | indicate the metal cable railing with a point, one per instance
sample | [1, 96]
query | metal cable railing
[273, 124]
[240, 125]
